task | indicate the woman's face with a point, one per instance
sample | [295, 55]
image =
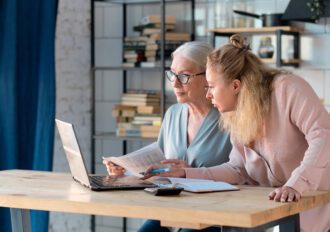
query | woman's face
[222, 94]
[192, 91]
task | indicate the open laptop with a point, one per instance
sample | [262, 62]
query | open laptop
[79, 171]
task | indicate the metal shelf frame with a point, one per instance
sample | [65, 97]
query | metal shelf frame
[278, 31]
[161, 68]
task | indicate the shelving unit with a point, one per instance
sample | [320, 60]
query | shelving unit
[278, 31]
[125, 70]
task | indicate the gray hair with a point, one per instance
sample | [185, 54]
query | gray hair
[195, 51]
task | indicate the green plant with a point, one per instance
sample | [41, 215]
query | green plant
[317, 9]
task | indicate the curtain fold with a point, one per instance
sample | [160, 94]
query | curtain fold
[27, 91]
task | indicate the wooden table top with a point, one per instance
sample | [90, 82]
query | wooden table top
[52, 191]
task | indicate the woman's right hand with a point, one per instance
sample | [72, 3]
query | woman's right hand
[113, 169]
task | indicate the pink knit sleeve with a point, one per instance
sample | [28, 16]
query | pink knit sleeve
[232, 172]
[311, 118]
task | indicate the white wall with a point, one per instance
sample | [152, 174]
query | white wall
[73, 93]
[73, 63]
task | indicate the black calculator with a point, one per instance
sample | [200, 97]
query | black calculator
[164, 191]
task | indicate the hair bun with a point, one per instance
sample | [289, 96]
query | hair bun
[237, 41]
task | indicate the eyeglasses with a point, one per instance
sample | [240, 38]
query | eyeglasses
[183, 78]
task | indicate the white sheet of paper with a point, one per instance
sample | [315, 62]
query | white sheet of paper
[139, 160]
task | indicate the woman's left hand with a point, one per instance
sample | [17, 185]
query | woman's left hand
[175, 163]
[173, 172]
[284, 194]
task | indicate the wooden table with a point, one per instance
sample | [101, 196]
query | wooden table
[22, 190]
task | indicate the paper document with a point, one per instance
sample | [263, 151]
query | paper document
[194, 185]
[138, 161]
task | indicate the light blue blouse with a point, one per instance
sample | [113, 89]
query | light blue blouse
[210, 147]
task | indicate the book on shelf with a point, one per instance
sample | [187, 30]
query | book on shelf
[170, 19]
[147, 120]
[152, 64]
[136, 38]
[128, 132]
[123, 111]
[151, 31]
[135, 60]
[121, 119]
[140, 99]
[150, 53]
[136, 54]
[125, 125]
[150, 128]
[148, 109]
[149, 134]
[140, 28]
[138, 103]
[150, 117]
[149, 131]
[142, 94]
[130, 64]
[173, 36]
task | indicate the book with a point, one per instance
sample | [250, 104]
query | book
[140, 160]
[130, 65]
[140, 28]
[174, 36]
[150, 128]
[126, 98]
[148, 109]
[157, 19]
[137, 103]
[149, 134]
[195, 185]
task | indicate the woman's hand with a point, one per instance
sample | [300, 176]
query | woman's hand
[284, 194]
[173, 172]
[113, 169]
[176, 163]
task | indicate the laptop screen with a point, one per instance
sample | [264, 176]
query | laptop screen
[72, 152]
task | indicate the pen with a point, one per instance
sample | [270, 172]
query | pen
[157, 171]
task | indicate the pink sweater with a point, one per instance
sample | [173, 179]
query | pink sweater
[295, 150]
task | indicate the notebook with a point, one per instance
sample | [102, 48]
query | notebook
[79, 171]
[195, 185]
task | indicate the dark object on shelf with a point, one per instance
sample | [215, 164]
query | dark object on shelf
[266, 49]
[268, 20]
[309, 10]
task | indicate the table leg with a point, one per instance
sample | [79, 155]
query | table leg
[293, 225]
[20, 220]
[287, 224]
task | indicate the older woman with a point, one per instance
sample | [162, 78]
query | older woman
[279, 129]
[190, 135]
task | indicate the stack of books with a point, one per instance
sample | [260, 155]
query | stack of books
[144, 50]
[138, 114]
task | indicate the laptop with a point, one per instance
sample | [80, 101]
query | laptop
[79, 171]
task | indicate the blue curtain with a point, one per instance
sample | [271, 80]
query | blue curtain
[27, 91]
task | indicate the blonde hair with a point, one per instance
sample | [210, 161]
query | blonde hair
[195, 51]
[235, 61]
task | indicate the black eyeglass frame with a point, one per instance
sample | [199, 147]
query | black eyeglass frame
[169, 74]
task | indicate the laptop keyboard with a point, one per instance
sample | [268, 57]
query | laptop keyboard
[105, 181]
